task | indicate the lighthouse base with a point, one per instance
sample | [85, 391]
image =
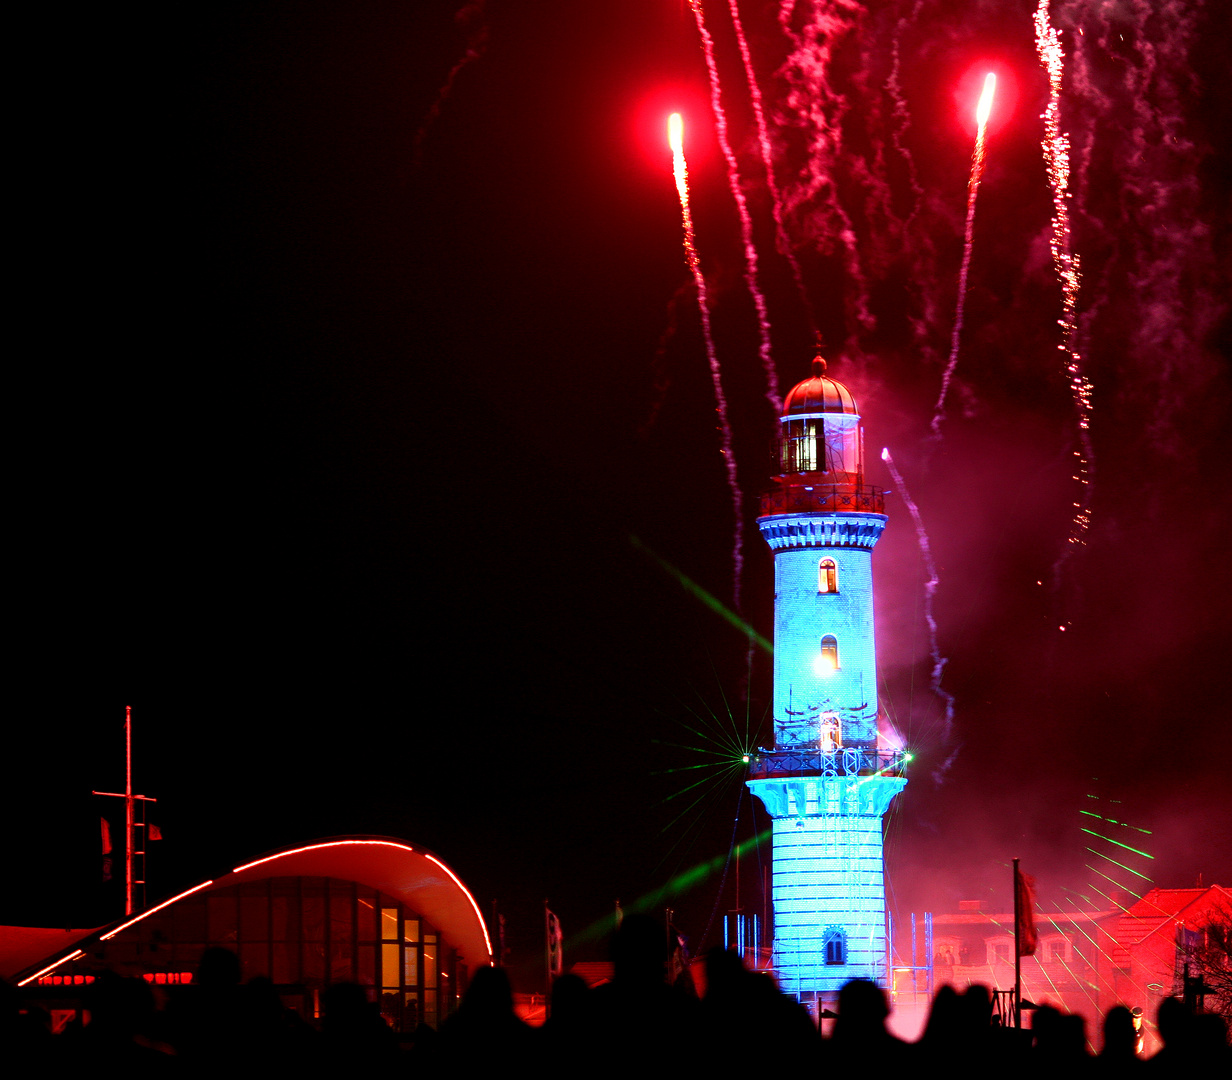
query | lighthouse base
[828, 880]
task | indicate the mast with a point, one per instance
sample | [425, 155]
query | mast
[130, 823]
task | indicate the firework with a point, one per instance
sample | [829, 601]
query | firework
[472, 15]
[742, 206]
[782, 241]
[930, 590]
[902, 115]
[675, 138]
[815, 105]
[973, 189]
[1066, 262]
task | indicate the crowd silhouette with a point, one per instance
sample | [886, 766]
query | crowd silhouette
[638, 1023]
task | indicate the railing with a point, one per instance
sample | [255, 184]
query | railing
[1004, 1008]
[849, 761]
[832, 498]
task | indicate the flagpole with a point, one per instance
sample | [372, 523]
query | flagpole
[130, 803]
[1017, 950]
[128, 809]
[498, 928]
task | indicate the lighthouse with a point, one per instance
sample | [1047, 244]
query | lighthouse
[826, 783]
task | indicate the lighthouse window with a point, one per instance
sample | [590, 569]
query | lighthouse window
[834, 439]
[836, 946]
[798, 452]
[828, 660]
[827, 576]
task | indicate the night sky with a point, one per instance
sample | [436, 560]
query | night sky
[350, 426]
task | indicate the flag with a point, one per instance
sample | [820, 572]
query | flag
[105, 836]
[153, 832]
[556, 957]
[1024, 912]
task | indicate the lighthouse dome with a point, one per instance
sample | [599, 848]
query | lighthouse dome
[818, 394]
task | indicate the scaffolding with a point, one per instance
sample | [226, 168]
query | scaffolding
[912, 984]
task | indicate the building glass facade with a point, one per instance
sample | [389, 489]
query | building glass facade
[304, 934]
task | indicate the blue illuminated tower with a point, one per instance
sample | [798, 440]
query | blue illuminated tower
[826, 783]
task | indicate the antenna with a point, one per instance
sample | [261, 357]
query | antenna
[130, 825]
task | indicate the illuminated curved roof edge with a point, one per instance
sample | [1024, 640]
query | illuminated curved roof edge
[467, 936]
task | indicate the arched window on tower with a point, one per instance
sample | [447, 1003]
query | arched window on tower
[835, 943]
[827, 576]
[827, 659]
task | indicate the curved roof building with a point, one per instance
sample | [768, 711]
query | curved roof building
[377, 911]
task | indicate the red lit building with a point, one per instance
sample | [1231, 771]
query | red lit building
[1085, 962]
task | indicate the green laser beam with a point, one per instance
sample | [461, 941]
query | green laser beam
[723, 733]
[714, 789]
[712, 731]
[688, 829]
[1084, 933]
[711, 601]
[724, 753]
[683, 839]
[1113, 902]
[689, 787]
[1101, 855]
[1119, 844]
[1065, 964]
[1083, 896]
[1048, 975]
[672, 887]
[1113, 821]
[690, 768]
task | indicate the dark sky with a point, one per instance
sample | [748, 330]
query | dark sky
[337, 415]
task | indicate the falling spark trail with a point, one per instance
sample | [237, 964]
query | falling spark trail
[814, 104]
[973, 190]
[902, 115]
[922, 282]
[476, 46]
[742, 206]
[930, 590]
[781, 239]
[1068, 267]
[675, 130]
[1159, 237]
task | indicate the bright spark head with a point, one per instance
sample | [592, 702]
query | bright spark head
[744, 758]
[985, 105]
[675, 133]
